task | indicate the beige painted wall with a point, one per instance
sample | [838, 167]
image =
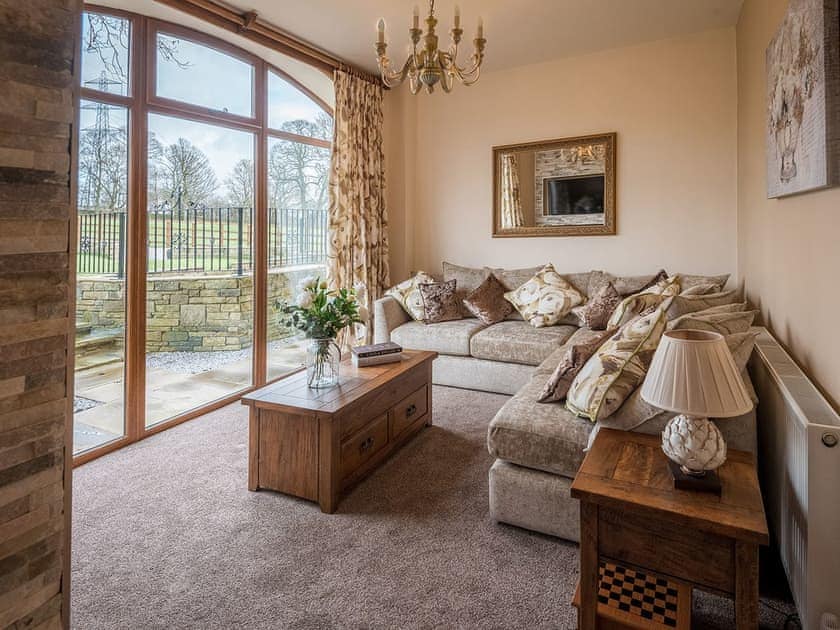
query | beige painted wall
[788, 254]
[673, 106]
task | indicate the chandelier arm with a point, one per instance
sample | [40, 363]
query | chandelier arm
[392, 78]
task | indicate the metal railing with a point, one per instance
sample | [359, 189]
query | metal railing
[202, 240]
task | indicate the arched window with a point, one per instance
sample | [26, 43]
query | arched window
[202, 196]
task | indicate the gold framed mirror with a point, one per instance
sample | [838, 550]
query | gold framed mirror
[563, 187]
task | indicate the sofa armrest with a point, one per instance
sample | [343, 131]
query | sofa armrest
[387, 315]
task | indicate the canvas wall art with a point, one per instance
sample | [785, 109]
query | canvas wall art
[803, 100]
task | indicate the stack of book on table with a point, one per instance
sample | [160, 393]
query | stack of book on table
[377, 354]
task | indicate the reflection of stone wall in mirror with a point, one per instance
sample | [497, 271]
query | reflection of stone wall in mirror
[569, 185]
[526, 194]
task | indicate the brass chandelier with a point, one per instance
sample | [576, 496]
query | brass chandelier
[428, 66]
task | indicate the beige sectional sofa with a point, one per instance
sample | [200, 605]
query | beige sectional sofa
[538, 446]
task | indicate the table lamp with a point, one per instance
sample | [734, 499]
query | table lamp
[693, 374]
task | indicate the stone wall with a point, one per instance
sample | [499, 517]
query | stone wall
[37, 47]
[191, 313]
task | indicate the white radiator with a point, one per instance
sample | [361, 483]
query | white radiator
[800, 478]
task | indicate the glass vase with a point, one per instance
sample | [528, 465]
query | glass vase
[323, 358]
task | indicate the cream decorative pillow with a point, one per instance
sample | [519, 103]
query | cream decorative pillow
[688, 281]
[723, 323]
[646, 301]
[545, 299]
[683, 304]
[407, 293]
[617, 368]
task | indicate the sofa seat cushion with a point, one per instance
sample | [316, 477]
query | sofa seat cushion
[518, 342]
[452, 337]
[544, 436]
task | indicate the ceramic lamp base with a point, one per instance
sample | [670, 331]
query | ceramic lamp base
[707, 482]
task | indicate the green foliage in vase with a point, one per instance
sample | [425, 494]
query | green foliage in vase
[321, 313]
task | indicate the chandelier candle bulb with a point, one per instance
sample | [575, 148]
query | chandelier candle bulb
[380, 26]
[457, 17]
[416, 17]
[480, 34]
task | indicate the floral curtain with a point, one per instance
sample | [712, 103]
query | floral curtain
[511, 203]
[358, 220]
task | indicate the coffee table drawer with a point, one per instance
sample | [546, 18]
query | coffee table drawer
[406, 412]
[363, 445]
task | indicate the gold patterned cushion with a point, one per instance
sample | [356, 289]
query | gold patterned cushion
[407, 293]
[644, 302]
[440, 302]
[545, 299]
[574, 358]
[617, 368]
[595, 314]
[487, 301]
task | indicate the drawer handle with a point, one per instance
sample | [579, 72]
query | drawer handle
[410, 411]
[366, 445]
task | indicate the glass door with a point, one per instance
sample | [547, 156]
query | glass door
[199, 287]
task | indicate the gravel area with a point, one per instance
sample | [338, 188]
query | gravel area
[198, 362]
[80, 403]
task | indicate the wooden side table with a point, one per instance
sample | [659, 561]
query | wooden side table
[631, 514]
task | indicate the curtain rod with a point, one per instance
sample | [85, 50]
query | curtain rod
[251, 27]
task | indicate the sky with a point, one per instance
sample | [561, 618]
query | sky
[201, 76]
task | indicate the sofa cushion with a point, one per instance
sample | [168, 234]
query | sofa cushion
[467, 279]
[518, 342]
[407, 293]
[617, 368]
[487, 301]
[547, 437]
[451, 337]
[440, 303]
[546, 298]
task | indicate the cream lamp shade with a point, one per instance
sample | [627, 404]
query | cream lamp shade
[692, 373]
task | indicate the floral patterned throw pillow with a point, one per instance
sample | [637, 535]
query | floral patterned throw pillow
[595, 314]
[645, 301]
[545, 299]
[407, 293]
[617, 368]
[440, 302]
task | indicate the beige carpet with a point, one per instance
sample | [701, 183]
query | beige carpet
[166, 535]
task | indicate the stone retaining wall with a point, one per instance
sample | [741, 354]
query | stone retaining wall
[191, 313]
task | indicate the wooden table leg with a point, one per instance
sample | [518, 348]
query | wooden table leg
[746, 586]
[329, 465]
[589, 578]
[253, 449]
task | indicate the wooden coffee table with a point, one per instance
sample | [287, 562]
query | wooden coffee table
[316, 443]
[630, 514]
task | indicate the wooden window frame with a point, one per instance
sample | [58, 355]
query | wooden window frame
[142, 101]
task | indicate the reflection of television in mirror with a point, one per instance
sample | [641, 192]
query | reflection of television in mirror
[573, 195]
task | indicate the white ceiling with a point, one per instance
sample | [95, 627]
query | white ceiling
[518, 32]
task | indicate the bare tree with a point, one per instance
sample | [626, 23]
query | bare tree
[298, 172]
[240, 184]
[103, 164]
[183, 175]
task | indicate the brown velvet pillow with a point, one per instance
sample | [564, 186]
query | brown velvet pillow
[574, 358]
[440, 302]
[487, 301]
[596, 312]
